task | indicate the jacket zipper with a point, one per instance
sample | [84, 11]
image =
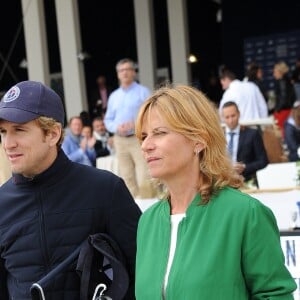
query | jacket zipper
[43, 235]
[166, 262]
[175, 254]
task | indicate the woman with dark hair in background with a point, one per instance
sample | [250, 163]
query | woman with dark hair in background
[255, 74]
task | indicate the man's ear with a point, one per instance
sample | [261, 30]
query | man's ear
[54, 135]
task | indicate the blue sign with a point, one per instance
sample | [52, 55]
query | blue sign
[290, 244]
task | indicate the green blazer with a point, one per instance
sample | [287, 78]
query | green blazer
[228, 249]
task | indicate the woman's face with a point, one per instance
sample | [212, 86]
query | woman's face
[260, 74]
[277, 74]
[168, 154]
[86, 132]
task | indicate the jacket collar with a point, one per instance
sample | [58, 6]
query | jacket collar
[49, 175]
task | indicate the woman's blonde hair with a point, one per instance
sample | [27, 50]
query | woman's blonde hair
[190, 113]
[282, 67]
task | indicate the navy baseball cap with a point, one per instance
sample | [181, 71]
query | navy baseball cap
[28, 100]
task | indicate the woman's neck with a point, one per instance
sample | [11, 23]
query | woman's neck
[181, 198]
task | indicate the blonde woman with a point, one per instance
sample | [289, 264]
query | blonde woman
[284, 93]
[205, 239]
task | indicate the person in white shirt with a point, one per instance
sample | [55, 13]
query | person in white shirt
[246, 95]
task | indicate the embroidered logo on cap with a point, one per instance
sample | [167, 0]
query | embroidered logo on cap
[12, 94]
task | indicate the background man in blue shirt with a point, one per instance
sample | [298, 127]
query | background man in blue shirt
[123, 106]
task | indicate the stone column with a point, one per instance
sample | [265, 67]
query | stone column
[35, 40]
[69, 37]
[179, 41]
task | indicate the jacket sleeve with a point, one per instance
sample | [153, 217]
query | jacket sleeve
[260, 158]
[74, 154]
[100, 150]
[289, 136]
[123, 222]
[91, 154]
[3, 286]
[262, 258]
[110, 116]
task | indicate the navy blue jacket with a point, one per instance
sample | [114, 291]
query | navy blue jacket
[43, 220]
[292, 139]
[251, 151]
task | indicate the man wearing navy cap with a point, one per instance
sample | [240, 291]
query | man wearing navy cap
[51, 205]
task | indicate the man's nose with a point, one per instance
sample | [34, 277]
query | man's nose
[8, 141]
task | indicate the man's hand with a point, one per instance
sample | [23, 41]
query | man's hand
[91, 142]
[83, 143]
[239, 167]
[126, 128]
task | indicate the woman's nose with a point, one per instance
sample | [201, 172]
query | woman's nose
[147, 144]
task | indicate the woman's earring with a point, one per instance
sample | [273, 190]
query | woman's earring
[196, 151]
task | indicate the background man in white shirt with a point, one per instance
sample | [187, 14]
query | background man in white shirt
[246, 95]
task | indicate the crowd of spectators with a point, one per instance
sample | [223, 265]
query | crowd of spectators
[87, 138]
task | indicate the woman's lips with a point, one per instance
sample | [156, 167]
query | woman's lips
[152, 159]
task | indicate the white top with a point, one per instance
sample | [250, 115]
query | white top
[249, 99]
[175, 220]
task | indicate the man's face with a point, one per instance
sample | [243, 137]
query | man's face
[225, 82]
[76, 126]
[230, 117]
[101, 81]
[99, 127]
[29, 151]
[126, 74]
